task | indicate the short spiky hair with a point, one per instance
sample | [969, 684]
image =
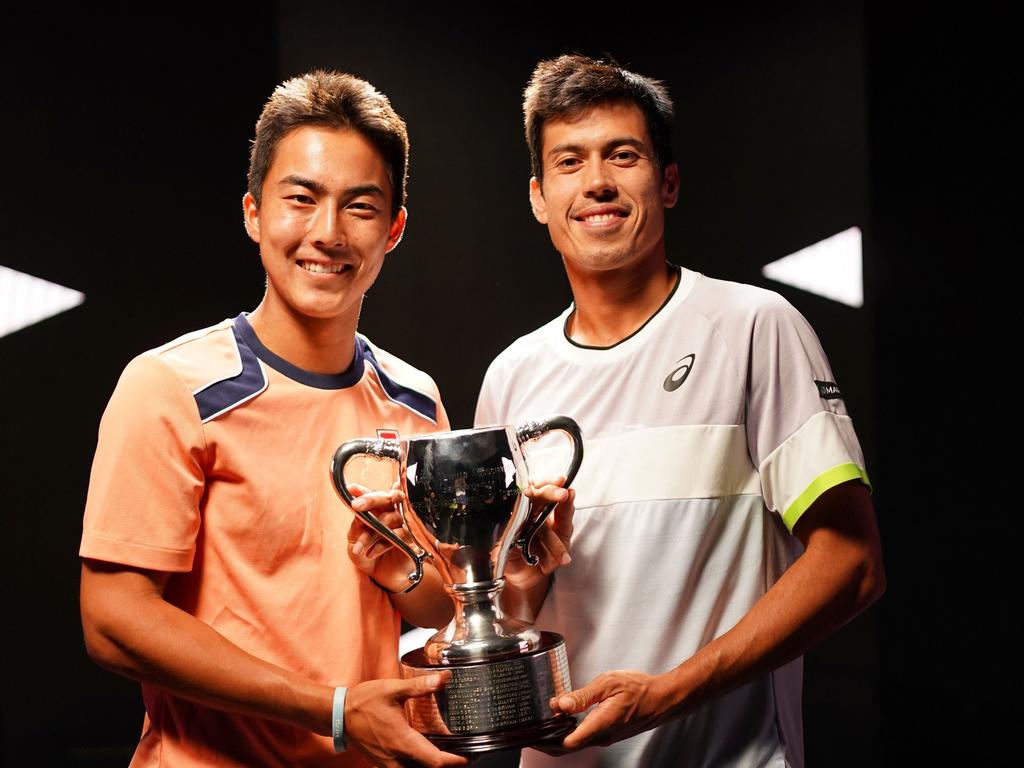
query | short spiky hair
[569, 85]
[334, 100]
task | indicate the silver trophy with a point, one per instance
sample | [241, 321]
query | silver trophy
[464, 507]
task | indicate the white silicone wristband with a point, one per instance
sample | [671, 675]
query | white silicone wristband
[338, 719]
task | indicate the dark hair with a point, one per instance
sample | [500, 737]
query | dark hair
[334, 100]
[566, 86]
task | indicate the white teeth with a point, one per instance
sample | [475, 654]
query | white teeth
[313, 266]
[600, 218]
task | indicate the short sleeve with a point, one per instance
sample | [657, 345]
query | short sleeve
[800, 437]
[147, 476]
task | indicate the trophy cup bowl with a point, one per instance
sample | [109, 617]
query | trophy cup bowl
[464, 508]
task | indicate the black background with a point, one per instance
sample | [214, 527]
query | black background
[126, 142]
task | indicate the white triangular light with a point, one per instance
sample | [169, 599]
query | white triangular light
[25, 300]
[832, 268]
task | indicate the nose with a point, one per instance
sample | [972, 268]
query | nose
[597, 182]
[328, 229]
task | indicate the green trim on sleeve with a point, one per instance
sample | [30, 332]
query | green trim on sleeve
[827, 479]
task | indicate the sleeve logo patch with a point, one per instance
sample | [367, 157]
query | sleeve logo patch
[387, 434]
[828, 390]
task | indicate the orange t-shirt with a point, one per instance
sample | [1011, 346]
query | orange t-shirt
[213, 464]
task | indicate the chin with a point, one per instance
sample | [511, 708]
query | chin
[601, 262]
[317, 311]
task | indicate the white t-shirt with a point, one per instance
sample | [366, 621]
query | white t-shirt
[707, 433]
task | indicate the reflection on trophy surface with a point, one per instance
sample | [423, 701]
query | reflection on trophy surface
[465, 508]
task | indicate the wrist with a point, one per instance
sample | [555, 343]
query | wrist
[396, 584]
[338, 719]
[305, 703]
[394, 574]
[666, 692]
[682, 689]
[527, 579]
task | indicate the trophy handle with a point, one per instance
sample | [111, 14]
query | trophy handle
[530, 431]
[385, 449]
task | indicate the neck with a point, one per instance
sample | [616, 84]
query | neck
[317, 345]
[613, 304]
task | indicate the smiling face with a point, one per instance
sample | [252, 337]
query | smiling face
[603, 196]
[323, 224]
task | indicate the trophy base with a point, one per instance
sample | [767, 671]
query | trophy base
[493, 704]
[553, 730]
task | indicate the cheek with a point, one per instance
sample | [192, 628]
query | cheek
[369, 236]
[284, 230]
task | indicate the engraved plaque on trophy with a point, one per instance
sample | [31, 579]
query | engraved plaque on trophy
[465, 508]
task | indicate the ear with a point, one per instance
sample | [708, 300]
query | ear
[670, 185]
[540, 210]
[251, 217]
[397, 229]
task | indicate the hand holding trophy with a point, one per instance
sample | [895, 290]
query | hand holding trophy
[465, 508]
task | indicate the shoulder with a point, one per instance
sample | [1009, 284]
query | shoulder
[744, 315]
[396, 368]
[402, 382]
[524, 349]
[180, 370]
[201, 357]
[729, 301]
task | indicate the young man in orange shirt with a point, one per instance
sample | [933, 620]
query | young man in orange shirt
[216, 554]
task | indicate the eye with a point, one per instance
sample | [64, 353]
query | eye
[363, 208]
[302, 199]
[625, 156]
[568, 163]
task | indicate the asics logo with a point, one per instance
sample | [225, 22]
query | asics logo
[676, 378]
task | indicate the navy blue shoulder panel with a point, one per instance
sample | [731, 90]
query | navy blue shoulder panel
[410, 398]
[222, 396]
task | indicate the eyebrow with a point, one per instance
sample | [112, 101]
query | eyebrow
[315, 186]
[632, 141]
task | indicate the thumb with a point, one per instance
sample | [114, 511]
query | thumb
[421, 685]
[576, 701]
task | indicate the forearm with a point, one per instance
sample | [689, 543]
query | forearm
[839, 575]
[427, 604]
[136, 633]
[526, 586]
[523, 599]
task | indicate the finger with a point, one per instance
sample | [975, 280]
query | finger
[374, 500]
[590, 728]
[366, 544]
[551, 550]
[418, 751]
[367, 498]
[418, 747]
[547, 494]
[389, 518]
[359, 525]
[582, 698]
[561, 518]
[557, 480]
[377, 547]
[361, 531]
[421, 685]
